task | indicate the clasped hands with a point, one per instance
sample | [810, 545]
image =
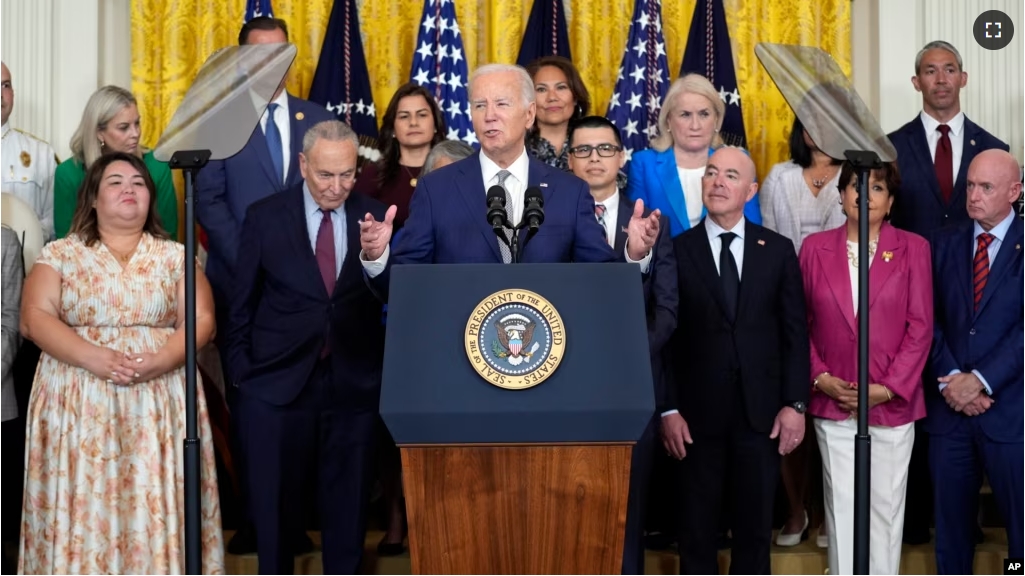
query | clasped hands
[124, 368]
[846, 393]
[964, 393]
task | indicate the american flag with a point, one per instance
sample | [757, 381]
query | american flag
[257, 8]
[439, 66]
[642, 80]
[342, 83]
[710, 54]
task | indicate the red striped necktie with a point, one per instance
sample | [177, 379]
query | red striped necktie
[980, 266]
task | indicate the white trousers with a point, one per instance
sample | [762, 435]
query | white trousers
[891, 453]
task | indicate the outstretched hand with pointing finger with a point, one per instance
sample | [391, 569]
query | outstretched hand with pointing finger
[374, 236]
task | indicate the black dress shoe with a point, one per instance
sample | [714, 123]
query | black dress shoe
[244, 541]
[385, 548]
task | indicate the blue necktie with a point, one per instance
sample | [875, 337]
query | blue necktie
[274, 143]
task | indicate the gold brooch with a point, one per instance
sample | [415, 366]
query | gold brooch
[887, 256]
[26, 159]
[299, 115]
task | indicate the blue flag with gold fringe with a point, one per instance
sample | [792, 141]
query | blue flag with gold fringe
[546, 33]
[258, 8]
[341, 82]
[710, 54]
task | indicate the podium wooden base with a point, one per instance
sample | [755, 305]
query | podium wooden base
[554, 509]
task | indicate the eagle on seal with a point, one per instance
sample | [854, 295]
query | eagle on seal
[515, 333]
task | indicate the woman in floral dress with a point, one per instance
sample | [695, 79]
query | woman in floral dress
[106, 419]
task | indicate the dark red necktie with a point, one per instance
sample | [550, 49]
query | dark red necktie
[944, 163]
[980, 266]
[325, 252]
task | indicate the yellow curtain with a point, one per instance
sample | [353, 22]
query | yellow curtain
[171, 40]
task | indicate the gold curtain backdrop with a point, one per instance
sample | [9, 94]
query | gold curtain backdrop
[172, 38]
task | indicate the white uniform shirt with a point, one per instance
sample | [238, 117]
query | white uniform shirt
[28, 167]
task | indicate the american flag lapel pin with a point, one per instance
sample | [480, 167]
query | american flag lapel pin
[543, 184]
[761, 242]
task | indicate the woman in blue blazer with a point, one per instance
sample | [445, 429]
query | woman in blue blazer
[668, 175]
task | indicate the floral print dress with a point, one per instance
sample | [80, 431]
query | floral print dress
[104, 481]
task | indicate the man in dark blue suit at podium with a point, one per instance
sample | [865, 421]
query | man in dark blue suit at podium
[975, 409]
[933, 154]
[596, 156]
[447, 221]
[305, 351]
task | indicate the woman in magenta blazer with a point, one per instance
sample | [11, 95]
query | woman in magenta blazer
[901, 324]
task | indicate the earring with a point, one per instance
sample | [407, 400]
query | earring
[102, 143]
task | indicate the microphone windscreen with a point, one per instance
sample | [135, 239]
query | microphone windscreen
[496, 193]
[533, 194]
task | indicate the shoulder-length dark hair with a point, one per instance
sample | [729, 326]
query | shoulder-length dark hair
[84, 222]
[576, 86]
[800, 153]
[888, 172]
[388, 165]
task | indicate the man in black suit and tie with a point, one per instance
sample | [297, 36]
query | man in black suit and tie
[596, 156]
[305, 349]
[933, 154]
[739, 374]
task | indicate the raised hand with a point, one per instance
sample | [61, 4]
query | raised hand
[641, 232]
[374, 236]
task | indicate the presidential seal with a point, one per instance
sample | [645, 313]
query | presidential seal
[515, 339]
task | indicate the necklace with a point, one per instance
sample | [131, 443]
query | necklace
[412, 179]
[123, 257]
[852, 256]
[818, 183]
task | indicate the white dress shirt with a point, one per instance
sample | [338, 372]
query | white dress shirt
[736, 247]
[515, 183]
[690, 179]
[314, 217]
[611, 205]
[284, 127]
[932, 136]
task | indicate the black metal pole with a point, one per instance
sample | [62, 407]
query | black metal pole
[193, 506]
[864, 162]
[190, 161]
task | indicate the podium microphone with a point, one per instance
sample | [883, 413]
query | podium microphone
[534, 209]
[496, 210]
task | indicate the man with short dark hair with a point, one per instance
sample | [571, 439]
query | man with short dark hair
[596, 156]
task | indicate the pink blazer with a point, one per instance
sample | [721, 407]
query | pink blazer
[900, 321]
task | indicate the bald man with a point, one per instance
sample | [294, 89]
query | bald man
[975, 407]
[739, 374]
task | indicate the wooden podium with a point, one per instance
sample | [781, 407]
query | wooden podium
[532, 481]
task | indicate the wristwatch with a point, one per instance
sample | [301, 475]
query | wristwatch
[799, 406]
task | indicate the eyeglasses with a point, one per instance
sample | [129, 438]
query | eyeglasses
[604, 150]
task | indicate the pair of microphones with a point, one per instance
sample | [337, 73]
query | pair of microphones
[498, 217]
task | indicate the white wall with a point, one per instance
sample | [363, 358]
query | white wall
[60, 51]
[886, 36]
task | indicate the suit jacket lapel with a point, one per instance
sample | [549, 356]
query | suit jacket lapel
[672, 188]
[471, 188]
[353, 213]
[832, 257]
[622, 221]
[969, 148]
[963, 261]
[920, 149]
[752, 268]
[296, 132]
[1010, 250]
[299, 235]
[701, 252]
[883, 268]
